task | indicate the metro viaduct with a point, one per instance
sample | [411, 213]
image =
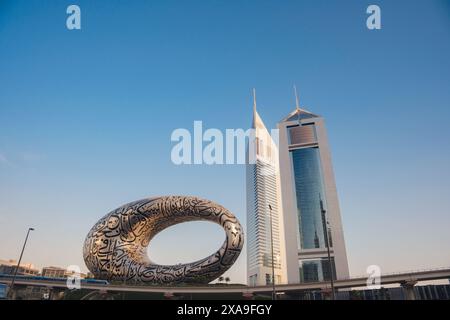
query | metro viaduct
[407, 280]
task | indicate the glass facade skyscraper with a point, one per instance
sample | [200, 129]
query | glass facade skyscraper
[316, 270]
[296, 179]
[308, 181]
[307, 187]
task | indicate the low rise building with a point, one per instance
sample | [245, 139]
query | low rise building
[8, 267]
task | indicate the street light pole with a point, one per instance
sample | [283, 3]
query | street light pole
[327, 243]
[274, 295]
[20, 259]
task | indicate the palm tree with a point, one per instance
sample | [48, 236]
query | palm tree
[227, 279]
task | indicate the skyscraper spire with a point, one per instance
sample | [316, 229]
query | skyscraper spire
[257, 121]
[254, 100]
[297, 105]
[255, 113]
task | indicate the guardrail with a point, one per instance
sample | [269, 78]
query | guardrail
[396, 277]
[405, 272]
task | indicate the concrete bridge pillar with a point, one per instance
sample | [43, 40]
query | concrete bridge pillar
[12, 293]
[327, 293]
[55, 293]
[408, 287]
[168, 295]
[247, 295]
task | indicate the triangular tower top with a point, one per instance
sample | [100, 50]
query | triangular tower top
[257, 121]
[299, 113]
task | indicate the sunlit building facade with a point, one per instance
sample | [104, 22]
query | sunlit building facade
[308, 190]
[264, 210]
[25, 269]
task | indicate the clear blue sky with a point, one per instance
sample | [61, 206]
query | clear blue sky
[86, 116]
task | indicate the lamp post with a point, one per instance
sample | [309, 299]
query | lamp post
[274, 295]
[327, 243]
[20, 259]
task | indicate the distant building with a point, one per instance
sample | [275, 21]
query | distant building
[73, 273]
[53, 272]
[57, 272]
[25, 269]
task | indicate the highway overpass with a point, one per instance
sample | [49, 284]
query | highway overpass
[405, 279]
